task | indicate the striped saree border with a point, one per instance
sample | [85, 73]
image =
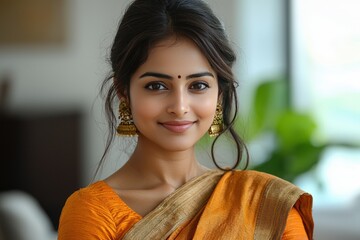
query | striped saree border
[277, 200]
[179, 207]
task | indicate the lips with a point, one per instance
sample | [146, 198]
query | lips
[177, 126]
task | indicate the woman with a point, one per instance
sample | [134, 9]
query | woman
[171, 64]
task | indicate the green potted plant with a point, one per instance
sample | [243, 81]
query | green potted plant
[295, 151]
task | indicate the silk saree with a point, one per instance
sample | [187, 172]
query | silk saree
[230, 205]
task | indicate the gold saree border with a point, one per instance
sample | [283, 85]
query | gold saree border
[179, 207]
[277, 200]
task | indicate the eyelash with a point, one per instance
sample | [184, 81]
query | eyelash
[150, 86]
[160, 86]
[204, 86]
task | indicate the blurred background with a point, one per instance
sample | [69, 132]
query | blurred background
[299, 92]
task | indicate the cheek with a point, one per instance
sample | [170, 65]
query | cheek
[139, 108]
[144, 109]
[206, 108]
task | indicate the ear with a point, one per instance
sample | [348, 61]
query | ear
[121, 95]
[220, 97]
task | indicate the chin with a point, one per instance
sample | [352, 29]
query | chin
[177, 147]
[172, 143]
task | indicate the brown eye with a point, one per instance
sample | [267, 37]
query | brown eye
[199, 86]
[155, 86]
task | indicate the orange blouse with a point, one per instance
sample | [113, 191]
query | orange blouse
[294, 227]
[97, 212]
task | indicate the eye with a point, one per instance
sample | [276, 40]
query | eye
[155, 86]
[198, 86]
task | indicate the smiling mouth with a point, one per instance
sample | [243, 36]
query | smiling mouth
[177, 126]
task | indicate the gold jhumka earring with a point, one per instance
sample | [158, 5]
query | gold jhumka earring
[217, 125]
[126, 126]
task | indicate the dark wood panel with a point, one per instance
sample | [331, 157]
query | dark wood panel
[41, 155]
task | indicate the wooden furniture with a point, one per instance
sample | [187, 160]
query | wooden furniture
[40, 154]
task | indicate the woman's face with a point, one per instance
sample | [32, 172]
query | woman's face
[173, 95]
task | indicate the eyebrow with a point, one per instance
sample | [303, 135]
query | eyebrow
[165, 76]
[157, 75]
[201, 74]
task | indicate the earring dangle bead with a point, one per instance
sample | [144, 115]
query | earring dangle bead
[217, 125]
[126, 126]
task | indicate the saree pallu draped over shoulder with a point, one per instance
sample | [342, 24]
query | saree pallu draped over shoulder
[232, 205]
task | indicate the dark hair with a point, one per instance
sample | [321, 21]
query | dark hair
[145, 23]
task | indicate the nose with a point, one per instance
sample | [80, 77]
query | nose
[178, 103]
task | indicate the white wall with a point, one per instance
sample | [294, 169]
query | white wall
[261, 39]
[67, 77]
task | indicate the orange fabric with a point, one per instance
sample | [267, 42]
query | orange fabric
[295, 229]
[95, 212]
[233, 211]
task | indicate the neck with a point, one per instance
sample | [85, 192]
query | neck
[159, 166]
